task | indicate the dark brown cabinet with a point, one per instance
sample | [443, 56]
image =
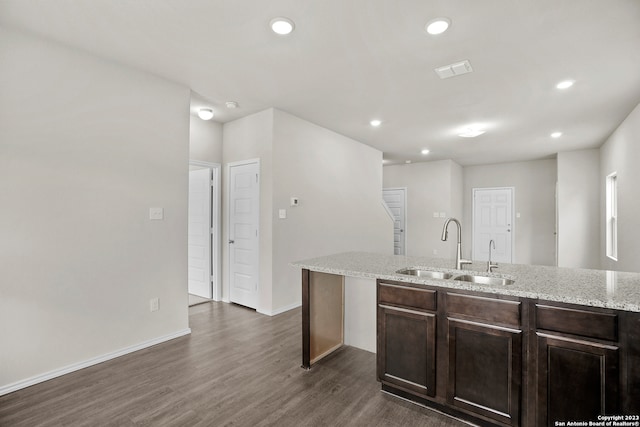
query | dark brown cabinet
[407, 338]
[484, 357]
[506, 361]
[407, 350]
[460, 353]
[485, 370]
[578, 364]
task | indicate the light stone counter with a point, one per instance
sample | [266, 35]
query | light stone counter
[596, 288]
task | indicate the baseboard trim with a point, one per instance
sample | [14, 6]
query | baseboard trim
[281, 309]
[10, 388]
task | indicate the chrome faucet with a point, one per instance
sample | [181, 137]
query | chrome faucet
[490, 265]
[459, 261]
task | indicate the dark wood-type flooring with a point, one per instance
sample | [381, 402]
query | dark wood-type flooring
[237, 368]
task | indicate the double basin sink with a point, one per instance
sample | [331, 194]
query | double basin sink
[430, 274]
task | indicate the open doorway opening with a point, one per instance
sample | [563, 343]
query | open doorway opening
[204, 233]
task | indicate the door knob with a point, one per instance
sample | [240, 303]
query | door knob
[231, 241]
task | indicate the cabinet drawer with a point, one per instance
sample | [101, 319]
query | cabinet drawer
[421, 299]
[490, 310]
[590, 324]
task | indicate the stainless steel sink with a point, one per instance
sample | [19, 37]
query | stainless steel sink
[484, 280]
[425, 273]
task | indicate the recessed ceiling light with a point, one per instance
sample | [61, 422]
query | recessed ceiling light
[556, 134]
[407, 161]
[471, 133]
[205, 113]
[565, 84]
[437, 26]
[231, 104]
[425, 151]
[282, 26]
[375, 123]
[471, 130]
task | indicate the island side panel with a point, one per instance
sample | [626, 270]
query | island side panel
[360, 313]
[306, 320]
[326, 314]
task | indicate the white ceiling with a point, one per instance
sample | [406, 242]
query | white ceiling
[349, 61]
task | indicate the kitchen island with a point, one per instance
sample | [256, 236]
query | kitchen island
[556, 345]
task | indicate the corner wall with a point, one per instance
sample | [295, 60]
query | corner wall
[579, 209]
[251, 137]
[339, 184]
[620, 153]
[205, 140]
[431, 187]
[534, 183]
[86, 148]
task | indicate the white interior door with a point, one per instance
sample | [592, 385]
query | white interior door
[493, 220]
[244, 217]
[199, 240]
[396, 200]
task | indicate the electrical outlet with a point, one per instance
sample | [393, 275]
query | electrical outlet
[154, 304]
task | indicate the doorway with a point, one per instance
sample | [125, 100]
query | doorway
[204, 236]
[244, 236]
[396, 200]
[493, 220]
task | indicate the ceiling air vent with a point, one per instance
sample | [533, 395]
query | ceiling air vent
[453, 70]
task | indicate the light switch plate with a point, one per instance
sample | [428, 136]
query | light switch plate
[156, 213]
[282, 213]
[443, 214]
[435, 214]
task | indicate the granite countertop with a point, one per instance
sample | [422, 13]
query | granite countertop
[596, 288]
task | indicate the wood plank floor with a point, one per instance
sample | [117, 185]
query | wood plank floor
[237, 368]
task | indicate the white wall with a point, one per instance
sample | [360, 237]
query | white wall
[431, 187]
[205, 140]
[251, 137]
[620, 153]
[579, 209]
[339, 184]
[86, 148]
[534, 183]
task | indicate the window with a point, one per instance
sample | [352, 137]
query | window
[612, 215]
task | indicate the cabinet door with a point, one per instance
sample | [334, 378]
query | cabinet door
[577, 380]
[407, 349]
[485, 370]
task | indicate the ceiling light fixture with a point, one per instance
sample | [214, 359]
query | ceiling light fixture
[556, 134]
[437, 26]
[205, 113]
[471, 133]
[425, 151]
[407, 161]
[565, 84]
[282, 26]
[375, 122]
